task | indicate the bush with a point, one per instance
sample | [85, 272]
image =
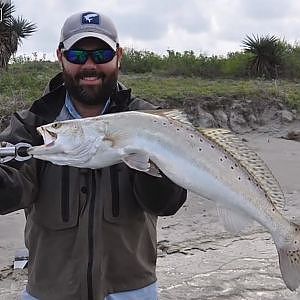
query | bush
[235, 65]
[140, 61]
[291, 63]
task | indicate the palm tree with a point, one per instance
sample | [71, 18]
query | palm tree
[12, 31]
[267, 53]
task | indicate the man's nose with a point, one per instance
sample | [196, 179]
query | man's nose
[90, 63]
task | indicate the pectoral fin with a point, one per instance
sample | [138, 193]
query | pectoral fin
[154, 170]
[139, 160]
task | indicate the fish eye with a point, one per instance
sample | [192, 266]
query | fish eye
[56, 125]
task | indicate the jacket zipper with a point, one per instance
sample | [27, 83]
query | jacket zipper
[114, 179]
[65, 194]
[91, 237]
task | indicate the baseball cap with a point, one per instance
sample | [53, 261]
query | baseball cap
[88, 24]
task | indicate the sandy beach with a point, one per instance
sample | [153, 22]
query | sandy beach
[198, 259]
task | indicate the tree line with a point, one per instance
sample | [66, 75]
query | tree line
[261, 56]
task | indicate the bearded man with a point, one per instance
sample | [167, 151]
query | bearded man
[91, 234]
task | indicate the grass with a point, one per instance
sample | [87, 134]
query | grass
[150, 87]
[26, 82]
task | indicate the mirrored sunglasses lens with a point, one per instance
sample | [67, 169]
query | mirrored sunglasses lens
[103, 56]
[76, 56]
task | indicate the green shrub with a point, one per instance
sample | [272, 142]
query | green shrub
[235, 65]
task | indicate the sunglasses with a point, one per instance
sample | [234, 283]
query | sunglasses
[80, 57]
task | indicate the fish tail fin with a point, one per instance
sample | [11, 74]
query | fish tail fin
[289, 259]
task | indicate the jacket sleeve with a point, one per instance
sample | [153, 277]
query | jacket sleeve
[159, 196]
[17, 187]
[18, 180]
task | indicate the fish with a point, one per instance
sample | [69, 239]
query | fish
[213, 163]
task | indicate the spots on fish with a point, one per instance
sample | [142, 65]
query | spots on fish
[294, 255]
[247, 159]
[234, 148]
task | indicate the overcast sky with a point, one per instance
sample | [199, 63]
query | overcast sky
[206, 26]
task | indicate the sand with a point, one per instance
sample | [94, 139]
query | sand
[198, 259]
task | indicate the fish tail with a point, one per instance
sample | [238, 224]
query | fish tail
[289, 259]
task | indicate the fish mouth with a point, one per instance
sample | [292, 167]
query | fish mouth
[49, 137]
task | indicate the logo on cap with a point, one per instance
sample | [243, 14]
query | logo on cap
[90, 18]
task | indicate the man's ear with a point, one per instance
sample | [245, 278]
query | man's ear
[59, 56]
[119, 56]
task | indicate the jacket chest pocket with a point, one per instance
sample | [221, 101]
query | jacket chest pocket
[120, 205]
[57, 206]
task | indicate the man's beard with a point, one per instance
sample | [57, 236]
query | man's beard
[91, 95]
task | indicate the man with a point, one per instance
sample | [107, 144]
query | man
[91, 234]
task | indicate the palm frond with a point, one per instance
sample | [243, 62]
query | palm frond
[7, 10]
[12, 31]
[266, 54]
[23, 27]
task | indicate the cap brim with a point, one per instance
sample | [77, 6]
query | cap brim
[68, 43]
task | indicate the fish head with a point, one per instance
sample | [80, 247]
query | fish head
[63, 141]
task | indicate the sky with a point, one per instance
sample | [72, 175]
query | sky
[210, 27]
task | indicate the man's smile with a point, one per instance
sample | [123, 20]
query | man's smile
[90, 80]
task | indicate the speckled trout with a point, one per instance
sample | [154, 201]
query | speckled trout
[213, 163]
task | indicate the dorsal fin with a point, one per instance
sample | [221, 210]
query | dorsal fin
[174, 114]
[250, 161]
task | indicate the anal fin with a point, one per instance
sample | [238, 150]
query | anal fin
[233, 221]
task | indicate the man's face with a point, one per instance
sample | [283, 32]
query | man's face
[90, 83]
